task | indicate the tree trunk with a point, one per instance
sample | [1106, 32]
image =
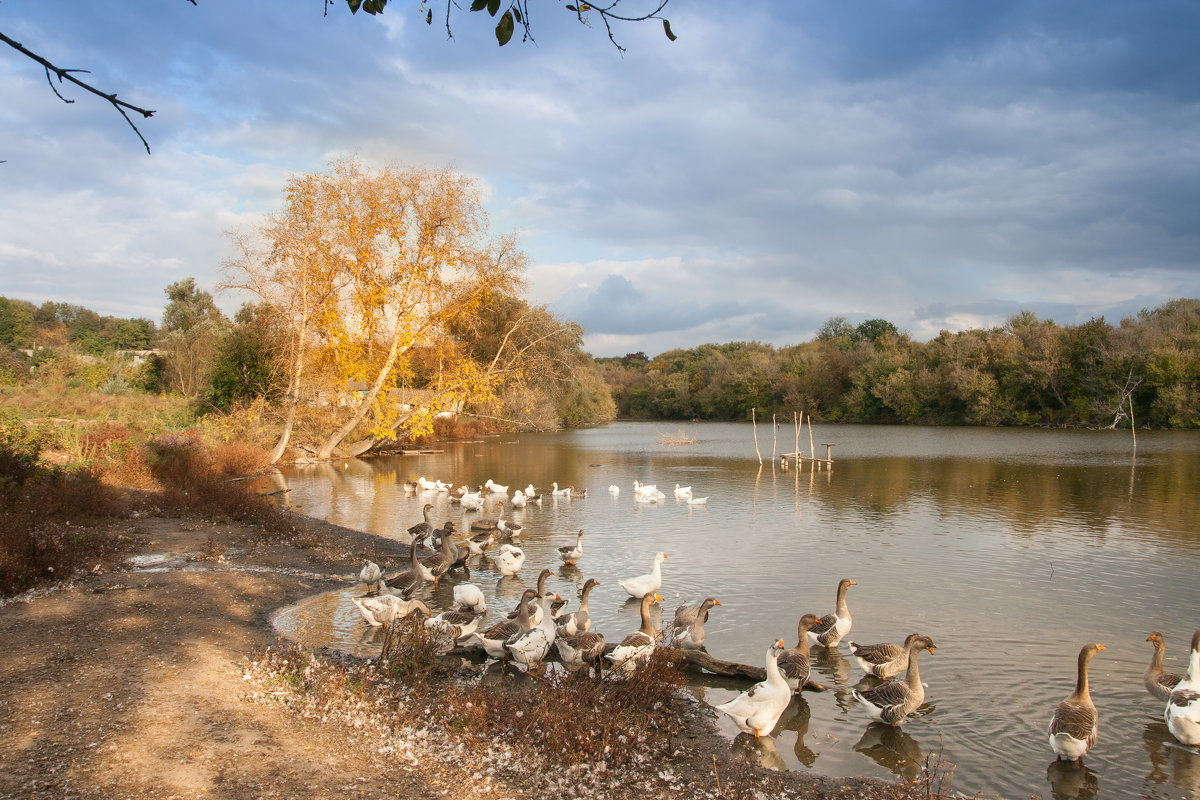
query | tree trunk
[338, 436]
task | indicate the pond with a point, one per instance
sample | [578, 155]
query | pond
[1010, 548]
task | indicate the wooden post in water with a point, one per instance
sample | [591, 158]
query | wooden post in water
[797, 423]
[754, 422]
[774, 437]
[812, 450]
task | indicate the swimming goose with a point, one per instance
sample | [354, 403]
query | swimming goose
[455, 624]
[509, 559]
[1183, 708]
[509, 528]
[530, 492]
[557, 492]
[578, 621]
[1159, 683]
[442, 486]
[893, 700]
[645, 490]
[1075, 725]
[472, 502]
[882, 660]
[794, 663]
[519, 499]
[372, 575]
[635, 649]
[613, 489]
[697, 501]
[410, 487]
[831, 628]
[583, 648]
[757, 709]
[688, 626]
[469, 597]
[386, 608]
[682, 492]
[478, 544]
[649, 583]
[494, 487]
[494, 637]
[411, 579]
[426, 484]
[532, 646]
[570, 553]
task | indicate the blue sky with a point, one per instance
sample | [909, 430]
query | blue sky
[942, 165]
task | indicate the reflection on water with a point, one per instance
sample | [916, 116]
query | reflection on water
[760, 751]
[976, 537]
[796, 718]
[1171, 762]
[891, 747]
[1072, 780]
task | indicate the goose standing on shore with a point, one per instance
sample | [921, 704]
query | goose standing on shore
[795, 663]
[1159, 683]
[649, 583]
[572, 553]
[885, 660]
[494, 637]
[578, 621]
[635, 649]
[759, 708]
[1075, 725]
[371, 575]
[531, 647]
[1182, 713]
[893, 700]
[687, 627]
[832, 628]
[584, 648]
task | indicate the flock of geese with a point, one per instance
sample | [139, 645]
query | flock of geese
[539, 622]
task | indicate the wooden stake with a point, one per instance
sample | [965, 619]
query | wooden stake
[754, 422]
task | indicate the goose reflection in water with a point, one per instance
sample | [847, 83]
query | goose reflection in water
[891, 747]
[1072, 780]
[796, 718]
[760, 751]
[830, 662]
[1169, 760]
[572, 573]
[510, 587]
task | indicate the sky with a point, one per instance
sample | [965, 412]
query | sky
[941, 164]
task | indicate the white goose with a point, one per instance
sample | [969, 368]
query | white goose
[531, 647]
[386, 608]
[530, 492]
[372, 575]
[557, 492]
[614, 490]
[509, 559]
[519, 499]
[683, 492]
[494, 487]
[469, 597]
[1183, 708]
[649, 583]
[759, 708]
[636, 648]
[831, 628]
[494, 637]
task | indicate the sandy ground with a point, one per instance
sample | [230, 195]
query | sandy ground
[132, 682]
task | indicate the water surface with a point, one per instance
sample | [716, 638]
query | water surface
[1011, 549]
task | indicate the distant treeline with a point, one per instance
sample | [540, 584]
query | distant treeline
[24, 326]
[1029, 372]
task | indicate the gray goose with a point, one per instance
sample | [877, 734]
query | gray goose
[688, 625]
[885, 660]
[832, 628]
[535, 609]
[423, 529]
[577, 621]
[635, 649]
[794, 663]
[1075, 725]
[585, 648]
[571, 553]
[493, 638]
[893, 700]
[455, 624]
[1159, 683]
[411, 579]
[439, 563]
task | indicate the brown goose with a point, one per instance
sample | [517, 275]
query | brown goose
[535, 608]
[1159, 683]
[687, 628]
[577, 621]
[635, 649]
[794, 663]
[423, 529]
[411, 579]
[438, 563]
[832, 628]
[570, 553]
[455, 624]
[493, 638]
[585, 648]
[1075, 725]
[893, 700]
[885, 660]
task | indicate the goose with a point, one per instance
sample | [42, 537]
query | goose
[1158, 683]
[794, 663]
[493, 638]
[882, 660]
[583, 648]
[442, 486]
[682, 492]
[426, 484]
[580, 620]
[831, 628]
[535, 610]
[494, 487]
[757, 709]
[509, 528]
[646, 584]
[424, 528]
[411, 579]
[435, 566]
[469, 597]
[411, 487]
[636, 648]
[557, 492]
[519, 500]
[580, 493]
[688, 625]
[509, 559]
[478, 544]
[530, 492]
[893, 700]
[697, 501]
[455, 624]
[372, 576]
[386, 608]
[472, 501]
[570, 553]
[1183, 708]
[531, 647]
[614, 490]
[645, 490]
[1075, 725]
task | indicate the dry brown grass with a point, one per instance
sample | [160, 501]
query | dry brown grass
[677, 439]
